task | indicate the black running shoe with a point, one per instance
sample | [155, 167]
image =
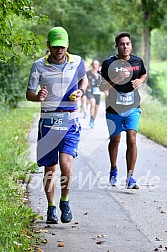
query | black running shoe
[66, 214]
[52, 215]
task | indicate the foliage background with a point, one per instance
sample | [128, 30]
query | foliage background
[91, 24]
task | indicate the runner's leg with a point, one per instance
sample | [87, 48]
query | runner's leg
[49, 183]
[113, 149]
[66, 173]
[131, 153]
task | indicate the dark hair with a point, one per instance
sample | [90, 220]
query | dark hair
[94, 61]
[121, 35]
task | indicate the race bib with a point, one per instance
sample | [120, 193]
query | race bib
[125, 98]
[57, 121]
[96, 90]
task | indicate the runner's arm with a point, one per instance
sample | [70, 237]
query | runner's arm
[31, 95]
[83, 84]
[138, 82]
[105, 85]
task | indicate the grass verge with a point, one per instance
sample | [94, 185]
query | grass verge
[16, 216]
[158, 76]
[153, 123]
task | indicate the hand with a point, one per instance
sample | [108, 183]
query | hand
[136, 83]
[42, 94]
[74, 96]
[123, 74]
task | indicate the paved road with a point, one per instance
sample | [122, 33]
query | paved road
[108, 219]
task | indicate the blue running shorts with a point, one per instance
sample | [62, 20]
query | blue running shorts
[51, 141]
[117, 123]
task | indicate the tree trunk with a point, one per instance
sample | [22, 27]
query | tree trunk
[145, 48]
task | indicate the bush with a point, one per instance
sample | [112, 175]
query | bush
[13, 83]
[157, 82]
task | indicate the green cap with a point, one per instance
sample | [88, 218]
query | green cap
[58, 36]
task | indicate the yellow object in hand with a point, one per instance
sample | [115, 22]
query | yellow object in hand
[73, 96]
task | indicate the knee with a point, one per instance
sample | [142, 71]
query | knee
[114, 141]
[92, 102]
[131, 140]
[66, 167]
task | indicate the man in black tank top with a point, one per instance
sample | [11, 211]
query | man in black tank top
[93, 92]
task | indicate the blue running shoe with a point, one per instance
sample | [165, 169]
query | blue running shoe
[66, 214]
[131, 183]
[113, 179]
[92, 123]
[85, 115]
[52, 215]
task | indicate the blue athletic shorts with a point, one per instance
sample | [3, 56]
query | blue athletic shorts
[117, 123]
[51, 141]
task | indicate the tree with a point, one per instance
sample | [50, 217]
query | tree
[154, 13]
[17, 41]
[16, 19]
[140, 17]
[158, 44]
[87, 22]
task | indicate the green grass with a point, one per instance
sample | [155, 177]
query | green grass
[15, 215]
[153, 122]
[158, 70]
[159, 66]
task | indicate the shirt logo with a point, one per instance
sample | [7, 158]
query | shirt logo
[71, 67]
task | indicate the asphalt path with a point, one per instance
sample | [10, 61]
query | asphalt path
[107, 219]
